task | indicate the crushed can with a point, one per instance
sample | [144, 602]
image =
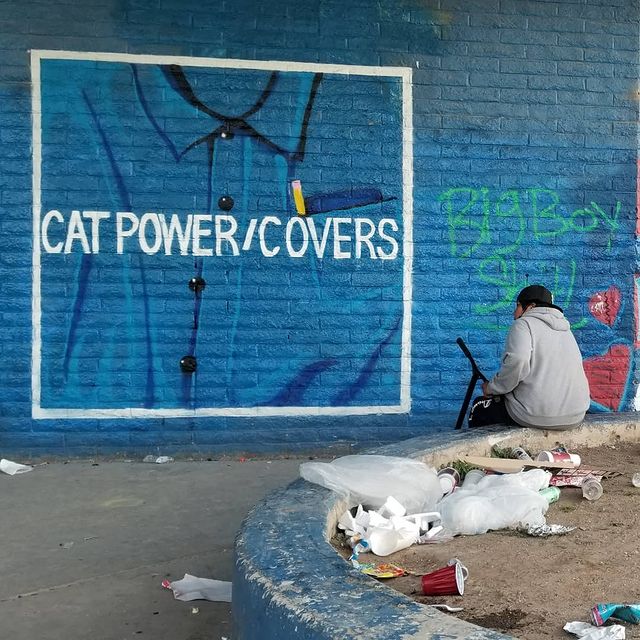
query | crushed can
[520, 453]
[551, 494]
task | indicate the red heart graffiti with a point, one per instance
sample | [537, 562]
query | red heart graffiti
[604, 305]
[608, 375]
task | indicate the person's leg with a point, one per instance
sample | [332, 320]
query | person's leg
[487, 410]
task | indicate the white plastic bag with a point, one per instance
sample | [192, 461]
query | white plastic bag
[496, 502]
[371, 479]
[13, 468]
[587, 631]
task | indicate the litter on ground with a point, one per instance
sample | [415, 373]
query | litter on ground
[13, 468]
[194, 588]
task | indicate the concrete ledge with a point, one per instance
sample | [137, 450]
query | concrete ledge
[289, 582]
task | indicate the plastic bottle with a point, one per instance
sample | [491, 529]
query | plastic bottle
[591, 488]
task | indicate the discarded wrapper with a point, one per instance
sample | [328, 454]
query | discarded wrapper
[627, 612]
[574, 477]
[545, 530]
[360, 547]
[384, 570]
[157, 459]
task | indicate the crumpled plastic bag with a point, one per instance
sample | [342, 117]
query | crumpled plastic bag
[496, 502]
[588, 631]
[194, 588]
[371, 479]
[13, 468]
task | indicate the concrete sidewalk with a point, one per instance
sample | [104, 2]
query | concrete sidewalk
[85, 545]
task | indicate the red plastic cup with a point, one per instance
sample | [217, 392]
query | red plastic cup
[448, 581]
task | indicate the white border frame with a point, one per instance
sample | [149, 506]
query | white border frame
[404, 73]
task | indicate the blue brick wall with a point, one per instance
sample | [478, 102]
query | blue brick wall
[523, 169]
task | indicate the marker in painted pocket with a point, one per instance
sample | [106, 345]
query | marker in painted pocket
[298, 198]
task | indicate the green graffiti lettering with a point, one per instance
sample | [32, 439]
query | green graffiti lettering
[512, 214]
[610, 221]
[547, 216]
[499, 225]
[466, 217]
[590, 220]
[562, 288]
[497, 270]
[594, 213]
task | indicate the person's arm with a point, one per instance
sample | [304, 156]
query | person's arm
[515, 361]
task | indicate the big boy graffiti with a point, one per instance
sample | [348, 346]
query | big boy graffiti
[502, 223]
[175, 272]
[493, 230]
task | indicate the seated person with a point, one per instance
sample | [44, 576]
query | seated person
[541, 382]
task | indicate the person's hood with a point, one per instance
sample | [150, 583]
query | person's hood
[551, 317]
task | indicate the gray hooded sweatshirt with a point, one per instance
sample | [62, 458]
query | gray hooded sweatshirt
[541, 375]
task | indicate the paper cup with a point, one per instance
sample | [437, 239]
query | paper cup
[473, 477]
[449, 479]
[384, 542]
[448, 581]
[560, 456]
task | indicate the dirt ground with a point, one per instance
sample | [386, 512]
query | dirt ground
[531, 587]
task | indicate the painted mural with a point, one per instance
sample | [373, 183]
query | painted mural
[206, 244]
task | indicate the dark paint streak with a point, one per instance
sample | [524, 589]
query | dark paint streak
[178, 81]
[147, 110]
[291, 394]
[273, 79]
[345, 397]
[149, 399]
[86, 263]
[302, 141]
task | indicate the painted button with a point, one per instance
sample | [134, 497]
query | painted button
[226, 203]
[188, 364]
